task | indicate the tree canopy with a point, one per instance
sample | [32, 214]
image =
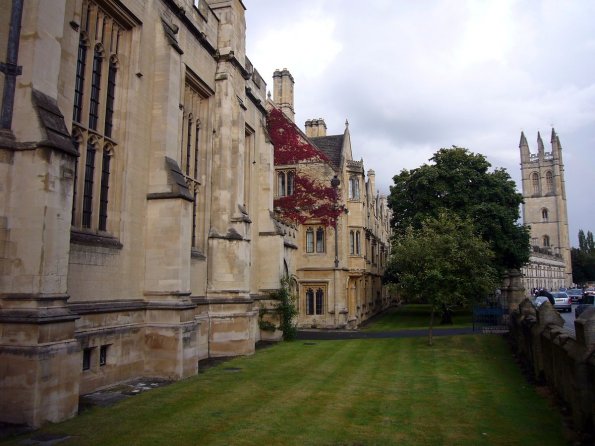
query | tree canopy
[460, 182]
[443, 263]
[583, 259]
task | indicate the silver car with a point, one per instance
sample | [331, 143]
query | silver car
[563, 301]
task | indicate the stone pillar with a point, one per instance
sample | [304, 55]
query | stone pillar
[513, 291]
[40, 361]
[171, 332]
[232, 319]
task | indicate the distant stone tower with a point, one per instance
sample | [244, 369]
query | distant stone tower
[544, 193]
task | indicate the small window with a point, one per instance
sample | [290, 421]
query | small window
[549, 181]
[310, 240]
[87, 353]
[290, 176]
[351, 242]
[320, 240]
[281, 184]
[314, 301]
[546, 241]
[544, 214]
[353, 188]
[357, 243]
[535, 182]
[103, 355]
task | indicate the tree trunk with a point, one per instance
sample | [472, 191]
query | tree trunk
[431, 326]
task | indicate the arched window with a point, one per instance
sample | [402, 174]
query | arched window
[111, 95]
[104, 189]
[549, 181]
[90, 153]
[281, 184]
[544, 214]
[319, 301]
[290, 177]
[535, 182]
[96, 87]
[309, 240]
[320, 240]
[314, 301]
[351, 242]
[353, 188]
[309, 301]
[546, 241]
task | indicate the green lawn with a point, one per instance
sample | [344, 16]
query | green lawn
[465, 390]
[415, 316]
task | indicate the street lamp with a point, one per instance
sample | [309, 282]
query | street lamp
[335, 182]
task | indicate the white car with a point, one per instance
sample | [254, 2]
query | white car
[563, 301]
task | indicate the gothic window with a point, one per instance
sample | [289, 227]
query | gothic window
[546, 241]
[281, 184]
[192, 150]
[544, 214]
[290, 176]
[314, 301]
[358, 250]
[535, 182]
[309, 240]
[285, 183]
[320, 240]
[549, 181]
[353, 188]
[351, 242]
[315, 240]
[94, 115]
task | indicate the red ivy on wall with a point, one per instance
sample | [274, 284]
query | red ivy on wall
[312, 198]
[290, 145]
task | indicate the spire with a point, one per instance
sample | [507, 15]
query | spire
[554, 136]
[523, 142]
[540, 148]
[524, 146]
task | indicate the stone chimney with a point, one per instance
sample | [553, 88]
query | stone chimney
[372, 181]
[283, 92]
[315, 127]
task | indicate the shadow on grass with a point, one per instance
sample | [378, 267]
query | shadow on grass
[414, 317]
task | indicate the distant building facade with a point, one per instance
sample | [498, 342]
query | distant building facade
[342, 222]
[545, 211]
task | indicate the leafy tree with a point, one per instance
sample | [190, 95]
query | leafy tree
[459, 181]
[583, 259]
[442, 262]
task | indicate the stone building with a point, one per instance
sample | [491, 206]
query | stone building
[544, 210]
[342, 222]
[136, 227]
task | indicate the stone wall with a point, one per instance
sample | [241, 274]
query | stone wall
[554, 357]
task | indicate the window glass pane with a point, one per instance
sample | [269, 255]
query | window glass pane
[309, 240]
[320, 240]
[111, 96]
[310, 301]
[290, 176]
[319, 300]
[104, 193]
[281, 184]
[88, 185]
[351, 242]
[95, 90]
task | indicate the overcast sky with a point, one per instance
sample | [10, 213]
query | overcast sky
[415, 76]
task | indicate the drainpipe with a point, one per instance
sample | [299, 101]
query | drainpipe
[10, 68]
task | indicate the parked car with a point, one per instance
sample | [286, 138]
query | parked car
[587, 302]
[562, 301]
[576, 294]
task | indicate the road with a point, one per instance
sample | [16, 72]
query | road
[569, 319]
